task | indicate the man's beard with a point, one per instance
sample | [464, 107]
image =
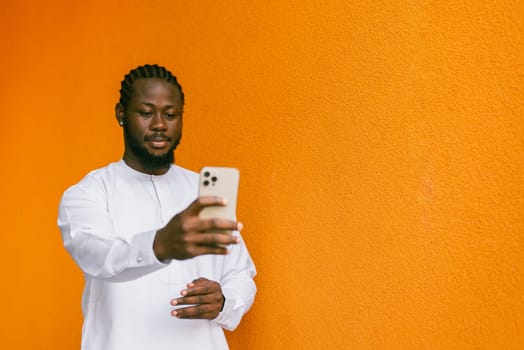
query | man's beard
[148, 160]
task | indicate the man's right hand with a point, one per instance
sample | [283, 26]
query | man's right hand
[186, 235]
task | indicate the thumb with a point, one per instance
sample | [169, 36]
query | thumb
[202, 202]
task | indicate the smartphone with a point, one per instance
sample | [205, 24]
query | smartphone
[221, 182]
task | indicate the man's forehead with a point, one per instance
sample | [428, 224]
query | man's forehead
[148, 87]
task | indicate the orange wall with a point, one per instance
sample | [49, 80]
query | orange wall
[381, 149]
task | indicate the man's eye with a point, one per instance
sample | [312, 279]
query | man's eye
[146, 113]
[171, 115]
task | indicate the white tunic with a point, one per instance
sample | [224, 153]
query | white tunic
[108, 222]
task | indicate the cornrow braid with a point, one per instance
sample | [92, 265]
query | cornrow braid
[145, 71]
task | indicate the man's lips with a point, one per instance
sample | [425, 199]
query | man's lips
[158, 141]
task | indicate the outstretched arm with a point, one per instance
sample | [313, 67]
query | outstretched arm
[88, 234]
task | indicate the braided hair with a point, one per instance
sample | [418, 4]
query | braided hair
[145, 71]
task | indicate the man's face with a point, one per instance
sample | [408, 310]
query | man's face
[152, 125]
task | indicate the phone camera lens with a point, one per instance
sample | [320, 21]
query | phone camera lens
[206, 174]
[214, 179]
[206, 183]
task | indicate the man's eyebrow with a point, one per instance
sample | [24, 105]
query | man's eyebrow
[152, 105]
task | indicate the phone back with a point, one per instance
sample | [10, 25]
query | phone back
[221, 182]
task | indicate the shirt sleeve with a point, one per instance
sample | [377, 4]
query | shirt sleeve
[88, 235]
[238, 286]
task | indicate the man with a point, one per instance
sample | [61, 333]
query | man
[156, 276]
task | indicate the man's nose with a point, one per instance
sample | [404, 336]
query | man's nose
[158, 122]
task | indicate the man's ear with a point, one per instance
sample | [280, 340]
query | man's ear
[119, 114]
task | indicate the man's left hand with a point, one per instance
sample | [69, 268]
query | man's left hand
[206, 299]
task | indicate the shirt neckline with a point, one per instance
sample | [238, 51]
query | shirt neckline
[135, 173]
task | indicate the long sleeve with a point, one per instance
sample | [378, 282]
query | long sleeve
[238, 286]
[89, 236]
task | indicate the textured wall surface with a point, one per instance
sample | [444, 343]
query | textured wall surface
[380, 143]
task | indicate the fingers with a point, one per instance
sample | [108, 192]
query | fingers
[196, 250]
[202, 286]
[200, 280]
[219, 224]
[200, 291]
[195, 224]
[206, 311]
[200, 240]
[187, 236]
[205, 298]
[197, 299]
